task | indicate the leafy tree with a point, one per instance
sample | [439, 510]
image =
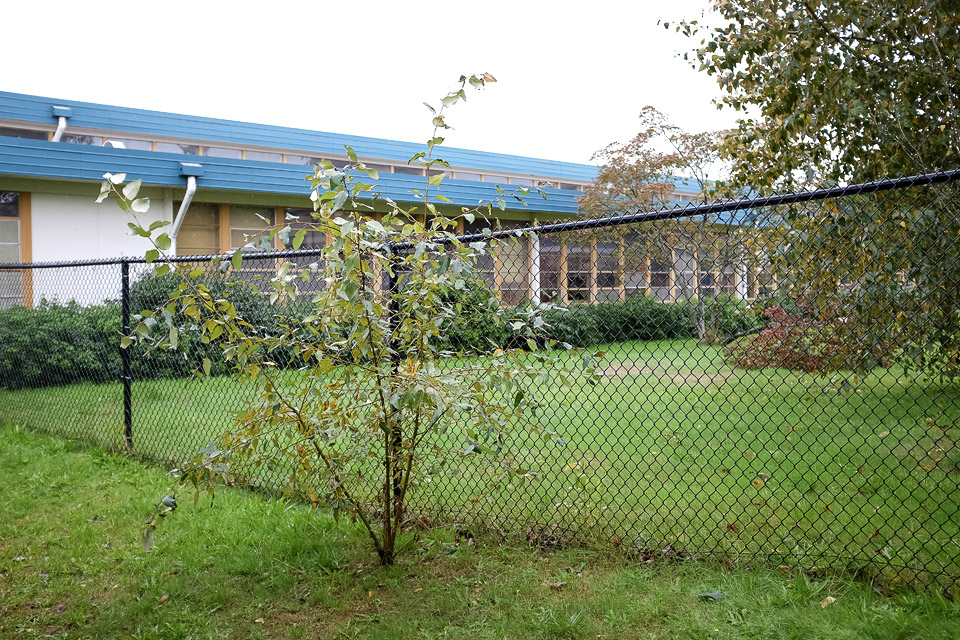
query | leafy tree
[834, 90]
[850, 90]
[359, 400]
[639, 175]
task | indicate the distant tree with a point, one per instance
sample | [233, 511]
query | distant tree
[643, 174]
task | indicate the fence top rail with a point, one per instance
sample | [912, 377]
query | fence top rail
[686, 211]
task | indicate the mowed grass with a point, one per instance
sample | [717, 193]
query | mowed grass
[71, 566]
[672, 449]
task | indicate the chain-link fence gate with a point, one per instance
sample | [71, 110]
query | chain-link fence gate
[776, 378]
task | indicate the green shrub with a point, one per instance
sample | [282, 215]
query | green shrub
[482, 325]
[55, 344]
[150, 293]
[726, 316]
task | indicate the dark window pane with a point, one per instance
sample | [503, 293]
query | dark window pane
[12, 132]
[411, 171]
[522, 182]
[9, 204]
[606, 280]
[95, 141]
[577, 280]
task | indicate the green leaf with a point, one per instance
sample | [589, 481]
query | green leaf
[284, 236]
[436, 179]
[339, 201]
[351, 153]
[162, 241]
[138, 230]
[161, 270]
[298, 238]
[432, 110]
[125, 341]
[130, 190]
[206, 366]
[140, 205]
[151, 255]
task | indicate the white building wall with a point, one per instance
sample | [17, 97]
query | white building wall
[70, 227]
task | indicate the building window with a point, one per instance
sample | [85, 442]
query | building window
[69, 138]
[578, 271]
[200, 233]
[248, 223]
[222, 152]
[9, 226]
[550, 269]
[264, 156]
[304, 218]
[11, 282]
[307, 160]
[466, 175]
[130, 143]
[176, 147]
[521, 182]
[410, 171]
[485, 264]
[31, 134]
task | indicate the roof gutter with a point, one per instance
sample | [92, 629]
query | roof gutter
[61, 114]
[192, 171]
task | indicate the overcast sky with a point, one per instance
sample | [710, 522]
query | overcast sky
[572, 76]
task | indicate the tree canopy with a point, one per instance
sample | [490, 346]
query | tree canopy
[834, 90]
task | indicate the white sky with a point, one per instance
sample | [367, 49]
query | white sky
[572, 76]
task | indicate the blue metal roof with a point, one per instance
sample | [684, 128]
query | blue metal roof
[37, 109]
[54, 160]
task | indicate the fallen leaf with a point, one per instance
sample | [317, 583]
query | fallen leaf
[829, 600]
[884, 433]
[557, 585]
[162, 601]
[711, 595]
[259, 620]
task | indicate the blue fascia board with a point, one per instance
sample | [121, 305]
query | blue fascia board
[15, 106]
[51, 160]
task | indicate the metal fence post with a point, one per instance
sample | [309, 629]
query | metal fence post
[125, 355]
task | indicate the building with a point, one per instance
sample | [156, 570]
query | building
[53, 154]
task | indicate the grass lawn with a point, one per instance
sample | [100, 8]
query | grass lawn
[71, 566]
[672, 449]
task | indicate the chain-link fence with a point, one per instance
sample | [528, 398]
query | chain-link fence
[775, 378]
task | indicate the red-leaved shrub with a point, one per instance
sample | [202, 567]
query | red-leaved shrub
[792, 342]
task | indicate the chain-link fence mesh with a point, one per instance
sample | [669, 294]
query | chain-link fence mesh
[775, 378]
